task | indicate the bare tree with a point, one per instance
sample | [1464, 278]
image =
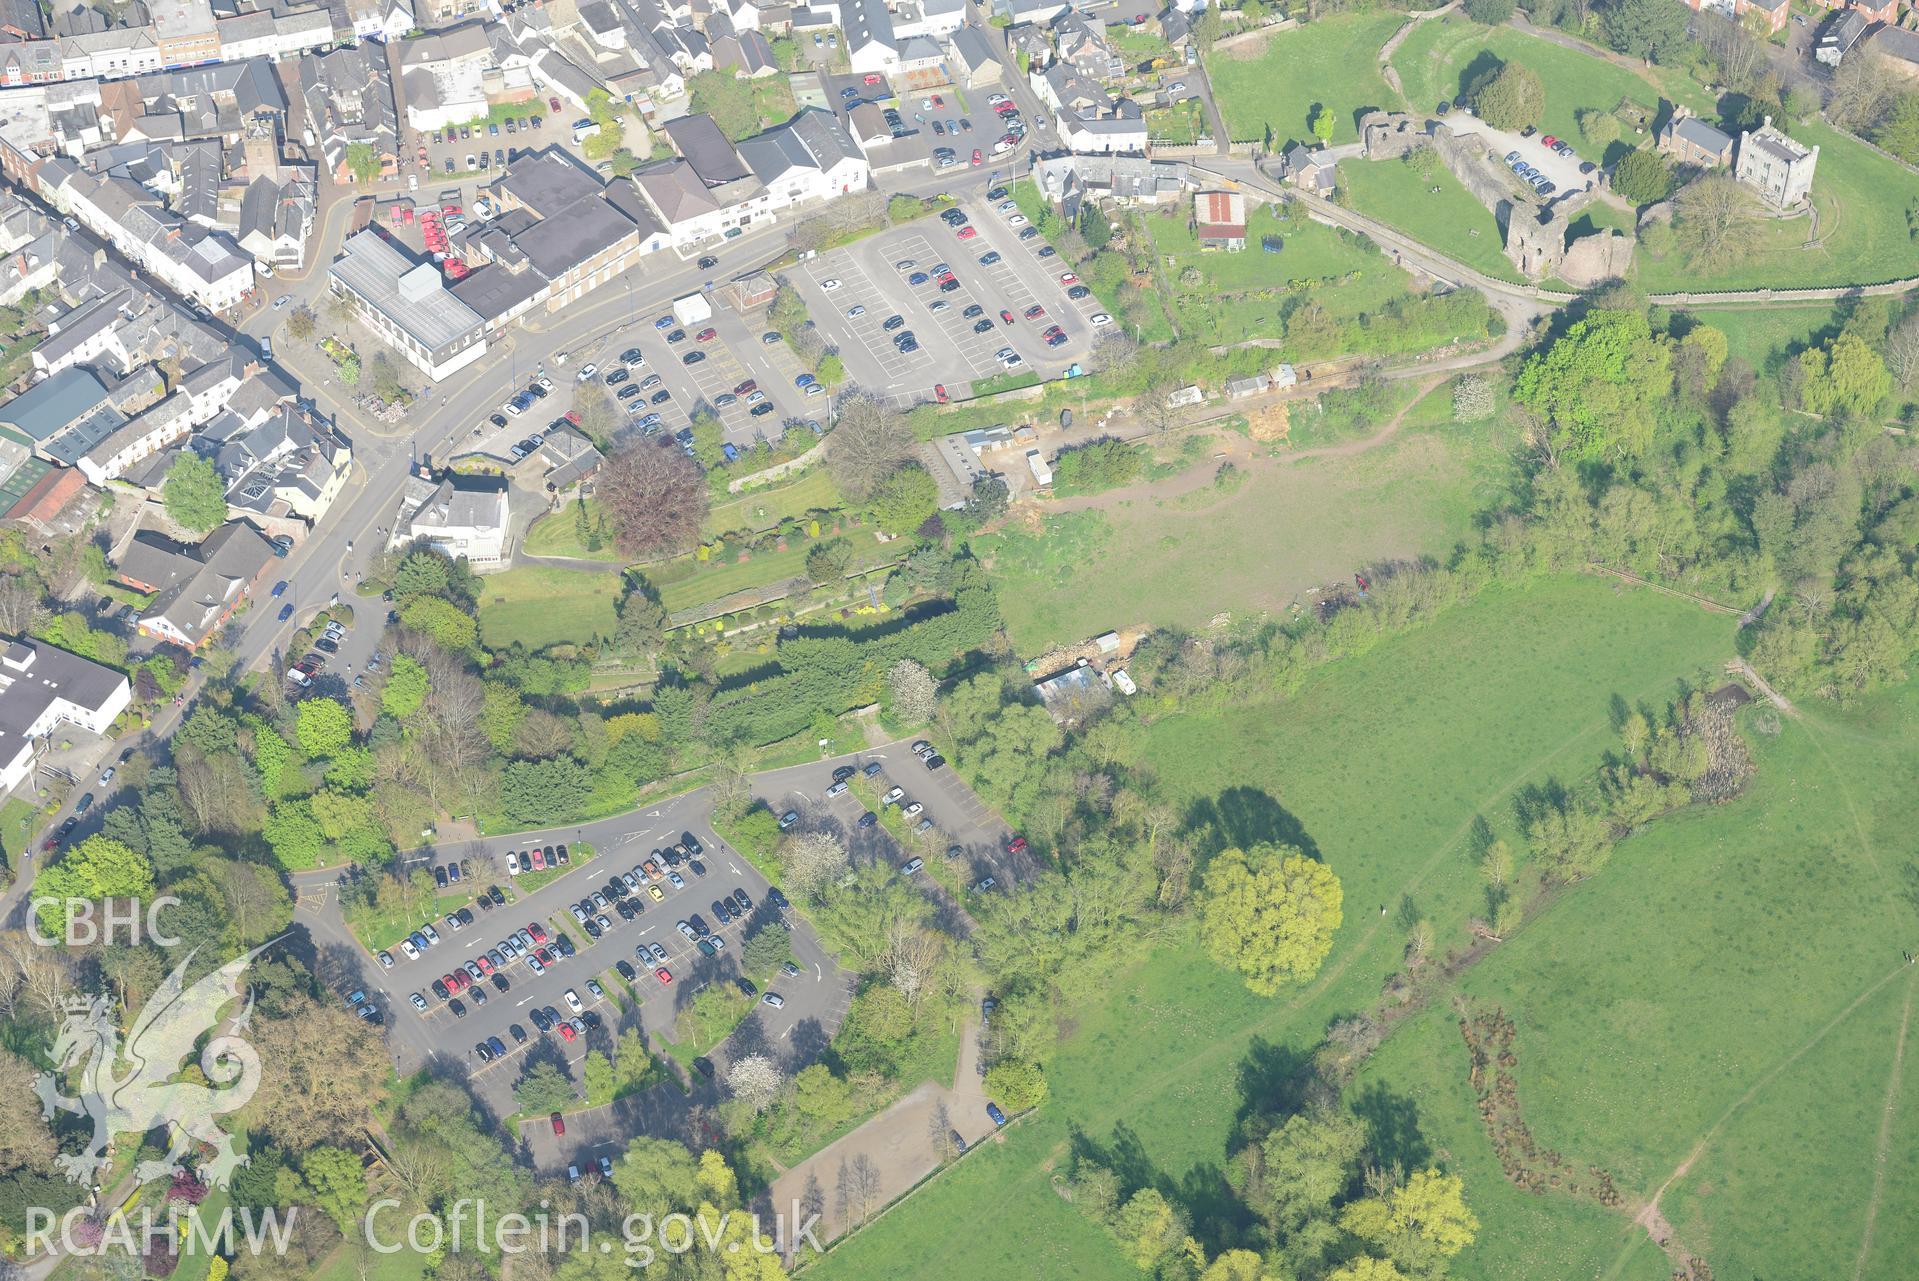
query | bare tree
[1902, 352]
[939, 1127]
[1155, 406]
[1114, 351]
[859, 1188]
[20, 604]
[1713, 219]
[910, 957]
[1863, 91]
[1740, 57]
[755, 1081]
[655, 497]
[31, 977]
[812, 861]
[599, 417]
[869, 442]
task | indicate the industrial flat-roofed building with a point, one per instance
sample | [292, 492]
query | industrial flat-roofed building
[409, 304]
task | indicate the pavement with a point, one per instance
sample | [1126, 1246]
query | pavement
[906, 1142]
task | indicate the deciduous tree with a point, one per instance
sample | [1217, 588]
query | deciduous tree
[1512, 99]
[196, 497]
[655, 498]
[869, 442]
[1269, 912]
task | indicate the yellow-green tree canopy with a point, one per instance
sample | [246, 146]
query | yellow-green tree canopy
[1269, 912]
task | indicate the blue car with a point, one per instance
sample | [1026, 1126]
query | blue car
[804, 380]
[995, 1115]
[280, 588]
[664, 322]
[286, 612]
[730, 453]
[918, 278]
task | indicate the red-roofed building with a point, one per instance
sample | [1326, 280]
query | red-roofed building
[1219, 220]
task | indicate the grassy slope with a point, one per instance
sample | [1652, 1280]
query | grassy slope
[1434, 62]
[1334, 60]
[1680, 997]
[1281, 532]
[1523, 675]
[1862, 199]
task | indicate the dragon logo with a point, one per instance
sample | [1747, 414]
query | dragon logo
[135, 1088]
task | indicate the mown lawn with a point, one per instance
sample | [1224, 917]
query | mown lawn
[539, 605]
[1366, 759]
[1449, 219]
[1761, 336]
[1285, 529]
[765, 508]
[557, 534]
[1334, 60]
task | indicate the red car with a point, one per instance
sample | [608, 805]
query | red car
[1068, 278]
[554, 105]
[537, 931]
[486, 966]
[939, 392]
[663, 974]
[1006, 109]
[559, 1126]
[871, 78]
[967, 233]
[573, 416]
[976, 156]
[1035, 311]
[1005, 316]
[1550, 141]
[451, 211]
[539, 864]
[566, 1032]
[706, 335]
[1017, 845]
[746, 388]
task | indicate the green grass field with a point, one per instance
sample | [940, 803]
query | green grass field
[538, 605]
[1862, 198]
[556, 534]
[762, 569]
[1524, 675]
[1761, 336]
[1274, 86]
[765, 508]
[1449, 219]
[1284, 530]
[1740, 990]
[1439, 56]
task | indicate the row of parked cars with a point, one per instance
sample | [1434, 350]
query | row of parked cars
[303, 672]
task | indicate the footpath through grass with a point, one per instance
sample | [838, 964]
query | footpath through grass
[1367, 760]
